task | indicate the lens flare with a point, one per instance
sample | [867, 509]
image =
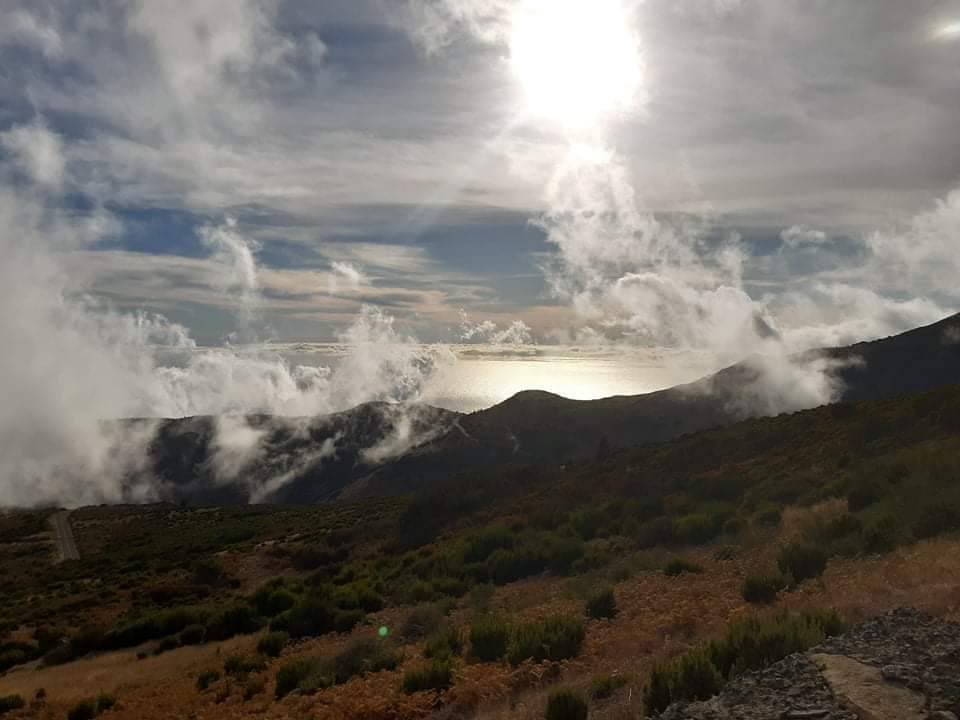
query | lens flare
[578, 61]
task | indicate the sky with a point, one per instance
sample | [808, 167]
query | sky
[293, 207]
[791, 163]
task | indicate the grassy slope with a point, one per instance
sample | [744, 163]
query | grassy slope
[895, 459]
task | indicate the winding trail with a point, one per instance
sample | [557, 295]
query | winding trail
[63, 536]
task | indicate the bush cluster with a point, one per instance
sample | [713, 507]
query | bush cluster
[445, 643]
[802, 561]
[273, 643]
[239, 666]
[489, 637]
[604, 686]
[89, 709]
[762, 589]
[602, 604]
[566, 704]
[679, 566]
[438, 675]
[9, 703]
[556, 638]
[364, 655]
[748, 644]
[206, 679]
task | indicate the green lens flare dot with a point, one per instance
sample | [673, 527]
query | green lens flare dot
[383, 631]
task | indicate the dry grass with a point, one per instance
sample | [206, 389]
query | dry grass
[659, 616]
[797, 519]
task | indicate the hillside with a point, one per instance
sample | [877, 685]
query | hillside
[320, 459]
[276, 611]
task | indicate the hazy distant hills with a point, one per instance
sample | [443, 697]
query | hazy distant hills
[379, 449]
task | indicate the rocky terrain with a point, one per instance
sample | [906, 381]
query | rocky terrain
[904, 665]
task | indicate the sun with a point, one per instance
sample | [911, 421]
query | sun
[948, 31]
[578, 61]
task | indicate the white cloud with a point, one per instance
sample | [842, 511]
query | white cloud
[517, 332]
[21, 27]
[925, 255]
[38, 151]
[435, 24]
[346, 276]
[798, 236]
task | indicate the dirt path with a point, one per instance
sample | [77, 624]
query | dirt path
[63, 536]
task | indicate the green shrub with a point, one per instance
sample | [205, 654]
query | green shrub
[423, 620]
[509, 565]
[450, 586]
[209, 571]
[253, 687]
[10, 702]
[445, 643]
[489, 637]
[556, 638]
[602, 604]
[734, 526]
[658, 531]
[883, 535]
[362, 656]
[679, 566]
[802, 561]
[105, 702]
[278, 601]
[347, 620]
[193, 635]
[566, 704]
[603, 686]
[696, 529]
[564, 554]
[754, 643]
[291, 674]
[749, 644]
[691, 676]
[166, 645]
[273, 643]
[935, 519]
[438, 675]
[136, 632]
[762, 589]
[13, 657]
[238, 666]
[236, 619]
[862, 495]
[206, 679]
[273, 598]
[358, 596]
[768, 515]
[310, 617]
[83, 710]
[479, 546]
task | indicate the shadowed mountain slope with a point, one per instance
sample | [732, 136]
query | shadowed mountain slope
[379, 449]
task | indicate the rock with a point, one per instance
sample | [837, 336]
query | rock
[864, 688]
[942, 715]
[814, 713]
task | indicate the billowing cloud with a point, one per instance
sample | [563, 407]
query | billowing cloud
[38, 152]
[800, 235]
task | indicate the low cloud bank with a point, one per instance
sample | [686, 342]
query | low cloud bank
[70, 365]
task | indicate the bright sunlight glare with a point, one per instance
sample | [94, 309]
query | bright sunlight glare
[950, 31]
[577, 60]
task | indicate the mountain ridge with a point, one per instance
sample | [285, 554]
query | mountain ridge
[421, 444]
